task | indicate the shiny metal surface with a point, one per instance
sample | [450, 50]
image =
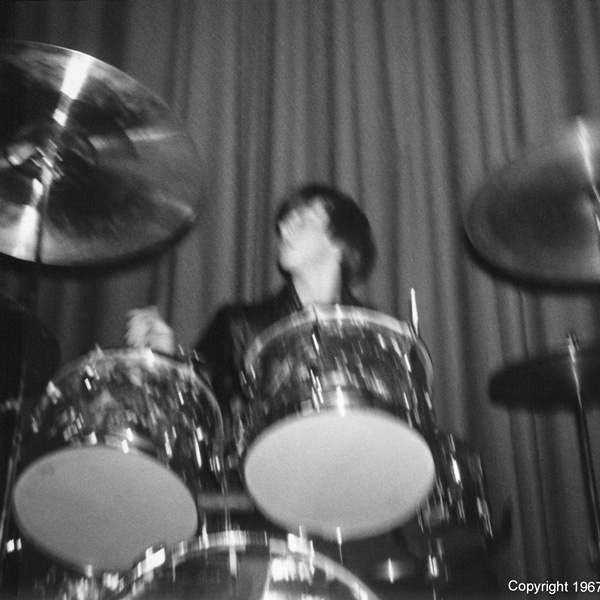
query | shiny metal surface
[339, 398]
[64, 584]
[117, 450]
[537, 218]
[94, 167]
[240, 565]
[346, 356]
[458, 500]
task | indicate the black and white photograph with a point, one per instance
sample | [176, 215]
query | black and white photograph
[299, 299]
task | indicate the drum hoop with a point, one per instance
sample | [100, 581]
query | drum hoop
[336, 312]
[144, 355]
[161, 556]
[158, 556]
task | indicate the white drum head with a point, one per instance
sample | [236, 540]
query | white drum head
[352, 475]
[97, 509]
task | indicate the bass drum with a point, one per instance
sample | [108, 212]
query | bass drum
[240, 565]
[114, 456]
[339, 403]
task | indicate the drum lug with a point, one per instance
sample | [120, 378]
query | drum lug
[316, 399]
[300, 544]
[217, 467]
[316, 393]
[240, 433]
[90, 439]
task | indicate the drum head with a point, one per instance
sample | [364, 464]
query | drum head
[353, 474]
[240, 565]
[90, 507]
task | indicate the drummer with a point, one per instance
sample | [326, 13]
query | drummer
[324, 248]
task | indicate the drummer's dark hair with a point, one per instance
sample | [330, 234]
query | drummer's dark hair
[348, 224]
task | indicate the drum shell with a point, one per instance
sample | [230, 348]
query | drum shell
[132, 400]
[360, 360]
[458, 498]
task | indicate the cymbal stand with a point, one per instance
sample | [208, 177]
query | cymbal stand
[39, 201]
[14, 406]
[11, 475]
[437, 571]
[586, 454]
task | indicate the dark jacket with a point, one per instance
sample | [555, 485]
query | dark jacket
[223, 346]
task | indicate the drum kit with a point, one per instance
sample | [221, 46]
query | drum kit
[123, 455]
[121, 452]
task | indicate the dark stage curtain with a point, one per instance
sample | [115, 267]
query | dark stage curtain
[408, 105]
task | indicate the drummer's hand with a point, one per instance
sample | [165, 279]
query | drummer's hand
[145, 328]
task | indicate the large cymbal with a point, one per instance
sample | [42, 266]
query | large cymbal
[549, 382]
[536, 218]
[94, 168]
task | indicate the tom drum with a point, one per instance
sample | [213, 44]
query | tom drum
[339, 402]
[114, 455]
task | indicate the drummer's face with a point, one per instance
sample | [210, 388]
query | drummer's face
[304, 240]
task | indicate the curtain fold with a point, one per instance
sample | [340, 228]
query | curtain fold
[408, 105]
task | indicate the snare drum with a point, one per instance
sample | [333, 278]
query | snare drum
[116, 451]
[236, 565]
[339, 400]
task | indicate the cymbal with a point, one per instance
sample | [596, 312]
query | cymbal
[549, 382]
[94, 167]
[29, 353]
[537, 217]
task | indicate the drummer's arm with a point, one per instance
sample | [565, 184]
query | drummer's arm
[219, 351]
[216, 350]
